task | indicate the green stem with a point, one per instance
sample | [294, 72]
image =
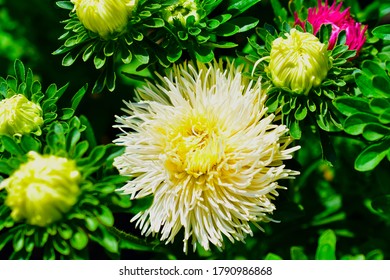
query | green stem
[151, 246]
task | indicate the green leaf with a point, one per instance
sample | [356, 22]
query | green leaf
[70, 57]
[204, 54]
[385, 117]
[88, 133]
[80, 149]
[4, 239]
[227, 29]
[379, 105]
[244, 23]
[18, 240]
[79, 240]
[381, 84]
[370, 157]
[104, 215]
[301, 112]
[279, 11]
[11, 146]
[238, 7]
[382, 204]
[19, 71]
[295, 130]
[209, 6]
[61, 246]
[349, 105]
[297, 253]
[326, 249]
[375, 131]
[382, 32]
[106, 239]
[141, 55]
[355, 124]
[67, 5]
[154, 22]
[5, 168]
[272, 257]
[76, 99]
[65, 231]
[29, 143]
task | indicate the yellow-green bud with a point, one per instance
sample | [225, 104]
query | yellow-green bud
[42, 189]
[19, 116]
[181, 11]
[298, 62]
[104, 16]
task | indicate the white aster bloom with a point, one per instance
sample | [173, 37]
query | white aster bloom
[203, 146]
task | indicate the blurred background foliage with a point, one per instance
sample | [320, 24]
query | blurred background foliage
[331, 211]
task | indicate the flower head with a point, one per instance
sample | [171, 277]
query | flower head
[181, 11]
[19, 116]
[204, 147]
[43, 189]
[104, 16]
[298, 62]
[325, 14]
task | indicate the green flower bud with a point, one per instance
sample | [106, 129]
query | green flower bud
[19, 116]
[298, 62]
[104, 16]
[42, 189]
[181, 11]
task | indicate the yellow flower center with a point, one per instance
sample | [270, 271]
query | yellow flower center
[19, 116]
[194, 146]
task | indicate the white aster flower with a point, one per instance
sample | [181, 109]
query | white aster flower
[203, 146]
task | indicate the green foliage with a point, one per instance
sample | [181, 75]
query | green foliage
[368, 115]
[326, 250]
[151, 39]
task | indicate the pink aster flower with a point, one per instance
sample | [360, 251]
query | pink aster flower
[340, 20]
